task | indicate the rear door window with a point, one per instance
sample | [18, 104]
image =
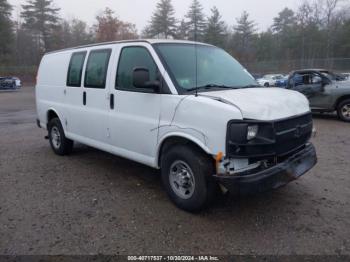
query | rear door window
[75, 69]
[97, 68]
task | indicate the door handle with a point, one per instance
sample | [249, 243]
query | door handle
[84, 98]
[111, 101]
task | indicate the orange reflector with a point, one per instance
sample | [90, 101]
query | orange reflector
[218, 158]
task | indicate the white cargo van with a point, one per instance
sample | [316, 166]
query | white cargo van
[189, 109]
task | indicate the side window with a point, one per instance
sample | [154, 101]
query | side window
[296, 80]
[75, 69]
[131, 58]
[316, 79]
[96, 69]
[307, 79]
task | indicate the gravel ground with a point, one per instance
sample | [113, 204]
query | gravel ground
[93, 202]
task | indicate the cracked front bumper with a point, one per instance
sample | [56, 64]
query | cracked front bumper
[274, 177]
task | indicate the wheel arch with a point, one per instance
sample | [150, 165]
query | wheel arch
[51, 114]
[341, 99]
[179, 138]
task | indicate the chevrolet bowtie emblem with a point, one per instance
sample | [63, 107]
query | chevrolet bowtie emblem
[297, 132]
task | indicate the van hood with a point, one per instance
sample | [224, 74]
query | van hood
[263, 103]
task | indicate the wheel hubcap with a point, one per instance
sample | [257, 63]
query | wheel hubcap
[182, 180]
[346, 111]
[55, 137]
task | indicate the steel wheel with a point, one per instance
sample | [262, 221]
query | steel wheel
[55, 137]
[182, 180]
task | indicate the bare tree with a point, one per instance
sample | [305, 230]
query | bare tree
[110, 28]
[330, 9]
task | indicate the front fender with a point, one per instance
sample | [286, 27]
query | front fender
[181, 134]
[200, 119]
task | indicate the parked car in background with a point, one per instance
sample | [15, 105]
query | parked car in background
[269, 80]
[18, 82]
[346, 75]
[326, 91]
[282, 82]
[10, 83]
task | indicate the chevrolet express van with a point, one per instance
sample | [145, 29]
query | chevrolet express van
[188, 109]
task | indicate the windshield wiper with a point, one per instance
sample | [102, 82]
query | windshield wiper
[208, 86]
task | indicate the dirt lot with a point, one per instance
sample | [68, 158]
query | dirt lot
[93, 202]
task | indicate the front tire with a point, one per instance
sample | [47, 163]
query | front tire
[187, 177]
[266, 85]
[344, 110]
[59, 143]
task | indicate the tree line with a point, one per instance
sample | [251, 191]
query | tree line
[317, 29]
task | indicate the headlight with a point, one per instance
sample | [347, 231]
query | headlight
[252, 131]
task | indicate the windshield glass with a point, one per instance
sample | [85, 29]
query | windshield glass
[330, 75]
[215, 68]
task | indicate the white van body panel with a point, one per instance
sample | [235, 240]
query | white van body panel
[200, 119]
[51, 81]
[141, 122]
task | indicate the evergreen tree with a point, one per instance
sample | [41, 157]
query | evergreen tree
[182, 30]
[244, 37]
[41, 19]
[216, 29]
[245, 28]
[196, 22]
[266, 46]
[284, 26]
[284, 21]
[27, 53]
[6, 31]
[163, 22]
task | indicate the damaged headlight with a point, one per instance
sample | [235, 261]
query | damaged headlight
[252, 131]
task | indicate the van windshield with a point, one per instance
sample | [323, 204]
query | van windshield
[215, 68]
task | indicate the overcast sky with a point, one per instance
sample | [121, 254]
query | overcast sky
[140, 11]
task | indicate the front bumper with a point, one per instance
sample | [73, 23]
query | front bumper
[272, 178]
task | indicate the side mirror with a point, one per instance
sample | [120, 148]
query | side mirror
[140, 76]
[141, 79]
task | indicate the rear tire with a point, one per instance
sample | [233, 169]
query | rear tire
[344, 110]
[266, 85]
[187, 177]
[59, 143]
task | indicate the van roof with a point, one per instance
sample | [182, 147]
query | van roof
[150, 41]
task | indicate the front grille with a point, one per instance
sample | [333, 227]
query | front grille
[292, 133]
[291, 123]
[279, 138]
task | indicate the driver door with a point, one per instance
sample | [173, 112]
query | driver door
[135, 112]
[311, 85]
